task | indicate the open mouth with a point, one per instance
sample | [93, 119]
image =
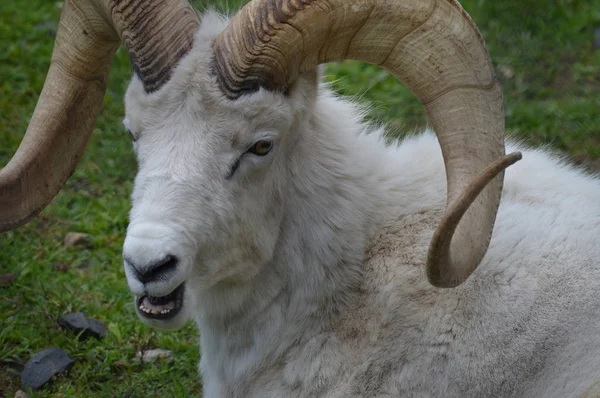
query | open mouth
[165, 307]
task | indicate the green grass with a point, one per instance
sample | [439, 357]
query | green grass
[552, 95]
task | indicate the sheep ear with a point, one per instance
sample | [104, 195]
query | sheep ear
[307, 85]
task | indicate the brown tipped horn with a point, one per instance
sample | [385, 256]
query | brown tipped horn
[434, 48]
[441, 271]
[156, 34]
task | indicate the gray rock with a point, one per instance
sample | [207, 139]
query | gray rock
[155, 355]
[43, 366]
[73, 239]
[82, 325]
[597, 37]
[506, 71]
[20, 394]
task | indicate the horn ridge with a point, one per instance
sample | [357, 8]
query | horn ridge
[434, 48]
[88, 36]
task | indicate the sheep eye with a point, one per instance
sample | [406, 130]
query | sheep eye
[261, 148]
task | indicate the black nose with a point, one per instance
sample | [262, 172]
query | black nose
[155, 270]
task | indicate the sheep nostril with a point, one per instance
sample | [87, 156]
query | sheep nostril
[156, 270]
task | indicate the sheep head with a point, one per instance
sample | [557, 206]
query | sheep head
[209, 196]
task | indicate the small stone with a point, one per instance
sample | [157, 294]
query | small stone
[6, 279]
[82, 325]
[43, 366]
[120, 364]
[155, 355]
[506, 71]
[597, 37]
[74, 238]
[20, 394]
[61, 267]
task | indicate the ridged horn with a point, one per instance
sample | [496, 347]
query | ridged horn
[156, 35]
[436, 50]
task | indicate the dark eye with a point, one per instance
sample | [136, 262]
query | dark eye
[261, 148]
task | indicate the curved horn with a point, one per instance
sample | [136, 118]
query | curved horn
[435, 49]
[156, 35]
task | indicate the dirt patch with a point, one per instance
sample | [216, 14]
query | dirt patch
[10, 381]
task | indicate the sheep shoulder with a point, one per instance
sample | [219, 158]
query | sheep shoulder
[525, 321]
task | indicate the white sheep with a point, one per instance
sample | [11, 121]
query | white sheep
[265, 210]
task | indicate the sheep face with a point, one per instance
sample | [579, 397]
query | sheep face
[208, 197]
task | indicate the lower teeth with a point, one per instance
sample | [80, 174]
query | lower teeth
[153, 312]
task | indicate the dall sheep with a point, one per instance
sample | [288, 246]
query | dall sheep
[302, 244]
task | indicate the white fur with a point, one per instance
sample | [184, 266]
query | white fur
[305, 271]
